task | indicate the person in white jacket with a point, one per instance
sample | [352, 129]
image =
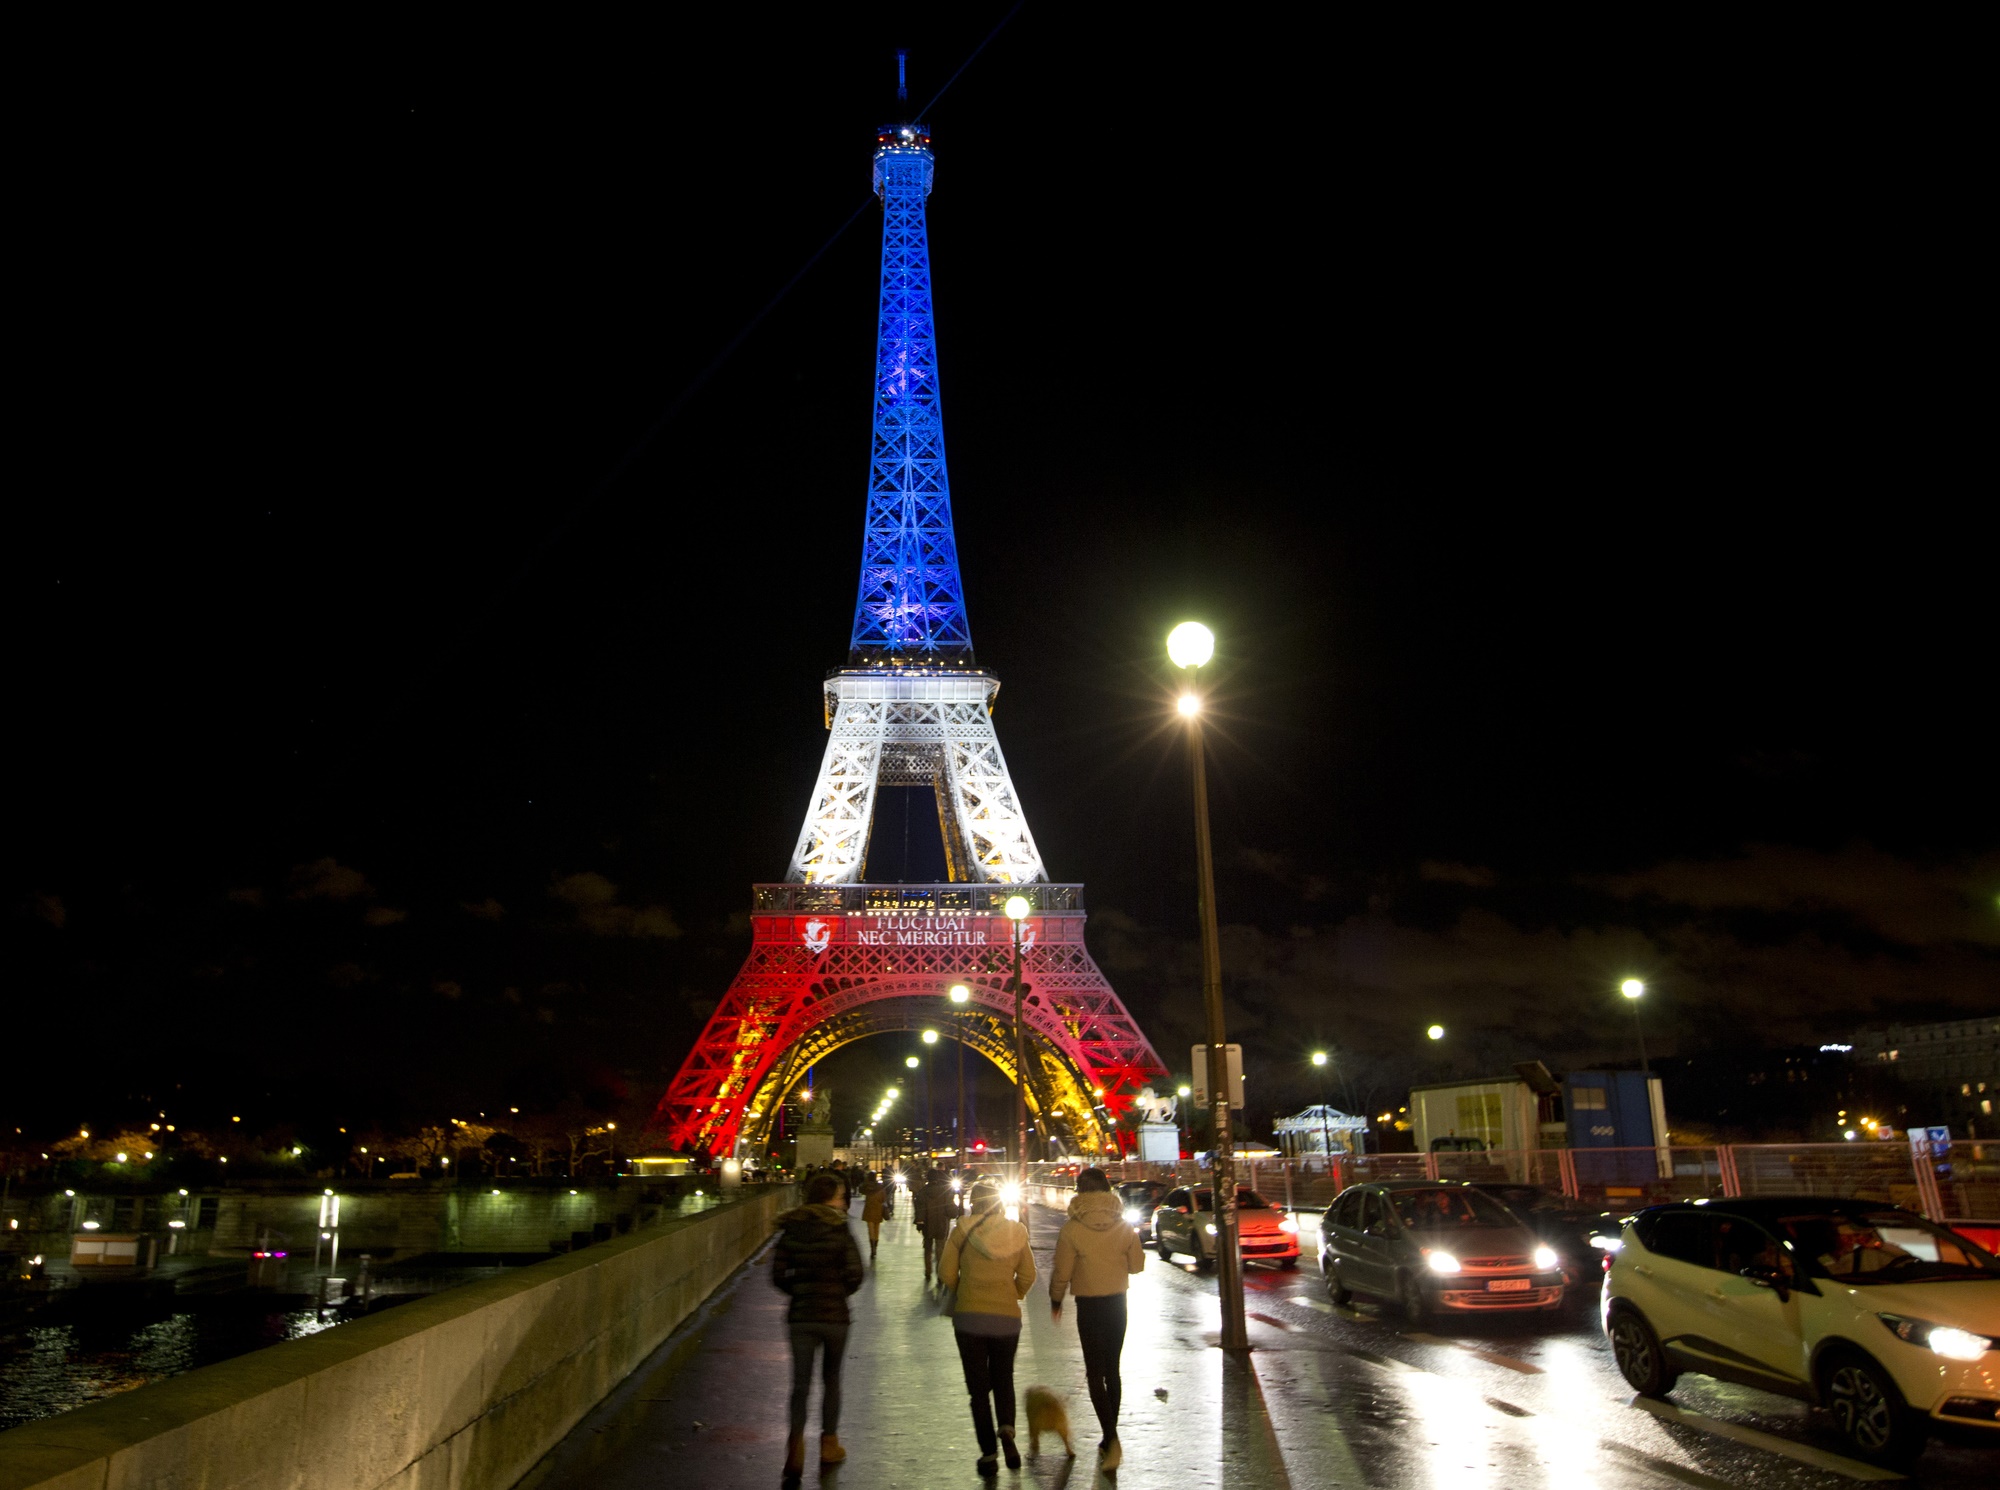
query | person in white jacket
[1096, 1254]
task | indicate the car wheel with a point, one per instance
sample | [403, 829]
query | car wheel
[1289, 1264]
[1204, 1260]
[1640, 1359]
[1416, 1308]
[1160, 1245]
[1869, 1411]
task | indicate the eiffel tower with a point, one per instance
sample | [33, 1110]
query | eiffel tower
[835, 958]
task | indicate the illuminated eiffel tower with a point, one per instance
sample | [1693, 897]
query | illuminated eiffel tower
[835, 958]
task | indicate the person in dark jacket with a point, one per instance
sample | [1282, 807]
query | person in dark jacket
[817, 1263]
[937, 1210]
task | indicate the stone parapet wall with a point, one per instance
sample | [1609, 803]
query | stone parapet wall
[464, 1390]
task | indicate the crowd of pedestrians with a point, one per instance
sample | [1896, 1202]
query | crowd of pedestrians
[980, 1263]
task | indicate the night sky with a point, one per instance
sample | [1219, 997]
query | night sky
[425, 555]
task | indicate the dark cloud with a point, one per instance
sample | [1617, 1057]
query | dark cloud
[326, 879]
[51, 909]
[1915, 904]
[598, 911]
[1457, 874]
[382, 915]
[445, 988]
[488, 909]
[250, 896]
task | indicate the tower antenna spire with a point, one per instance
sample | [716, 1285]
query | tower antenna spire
[902, 77]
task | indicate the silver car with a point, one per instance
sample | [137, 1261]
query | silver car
[1435, 1246]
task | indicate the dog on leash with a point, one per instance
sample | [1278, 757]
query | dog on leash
[1046, 1414]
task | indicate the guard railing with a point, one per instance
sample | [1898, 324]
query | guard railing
[1958, 1182]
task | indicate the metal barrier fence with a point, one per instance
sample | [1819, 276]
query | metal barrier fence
[1960, 1183]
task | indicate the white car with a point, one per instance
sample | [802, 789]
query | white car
[1884, 1319]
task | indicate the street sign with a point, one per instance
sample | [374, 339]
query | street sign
[1233, 1054]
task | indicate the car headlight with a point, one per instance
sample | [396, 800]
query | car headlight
[1946, 1340]
[1210, 1228]
[1441, 1262]
[1608, 1243]
[1132, 1214]
[1010, 1194]
[1288, 1224]
[1546, 1260]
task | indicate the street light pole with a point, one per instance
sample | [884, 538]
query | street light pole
[1634, 990]
[930, 1108]
[1017, 912]
[1325, 1138]
[1189, 646]
[959, 994]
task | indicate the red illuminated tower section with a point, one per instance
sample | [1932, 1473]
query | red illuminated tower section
[835, 958]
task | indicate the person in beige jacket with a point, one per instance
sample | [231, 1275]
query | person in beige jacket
[1097, 1253]
[986, 1259]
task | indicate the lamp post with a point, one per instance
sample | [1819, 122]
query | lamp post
[959, 995]
[1325, 1139]
[1017, 912]
[1189, 646]
[1634, 990]
[1187, 1132]
[930, 1038]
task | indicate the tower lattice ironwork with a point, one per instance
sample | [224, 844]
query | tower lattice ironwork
[834, 958]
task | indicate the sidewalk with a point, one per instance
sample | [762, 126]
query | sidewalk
[710, 1406]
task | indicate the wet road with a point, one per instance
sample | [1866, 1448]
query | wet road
[1330, 1396]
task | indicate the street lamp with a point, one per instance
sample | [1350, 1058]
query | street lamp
[960, 995]
[1325, 1138]
[1017, 912]
[930, 1038]
[1190, 645]
[1634, 990]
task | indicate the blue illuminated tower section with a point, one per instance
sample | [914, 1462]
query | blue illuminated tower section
[911, 605]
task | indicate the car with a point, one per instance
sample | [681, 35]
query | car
[1881, 1317]
[1185, 1224]
[1582, 1238]
[1140, 1199]
[1435, 1246]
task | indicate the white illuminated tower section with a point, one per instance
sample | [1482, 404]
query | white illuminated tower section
[836, 958]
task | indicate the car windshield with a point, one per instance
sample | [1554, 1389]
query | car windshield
[1246, 1200]
[1144, 1193]
[1884, 1247]
[1447, 1210]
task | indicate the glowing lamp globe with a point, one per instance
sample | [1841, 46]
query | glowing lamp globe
[1017, 907]
[1632, 988]
[960, 993]
[1436, 1032]
[1319, 1057]
[1190, 644]
[1190, 704]
[912, 1062]
[930, 1037]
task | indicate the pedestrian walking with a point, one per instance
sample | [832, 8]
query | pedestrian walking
[818, 1265]
[988, 1264]
[937, 1209]
[873, 1197]
[1097, 1252]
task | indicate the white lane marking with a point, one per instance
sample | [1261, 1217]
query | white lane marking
[1853, 1469]
[1485, 1355]
[1312, 1303]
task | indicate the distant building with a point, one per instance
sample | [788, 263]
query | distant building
[1941, 1074]
[1536, 1110]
